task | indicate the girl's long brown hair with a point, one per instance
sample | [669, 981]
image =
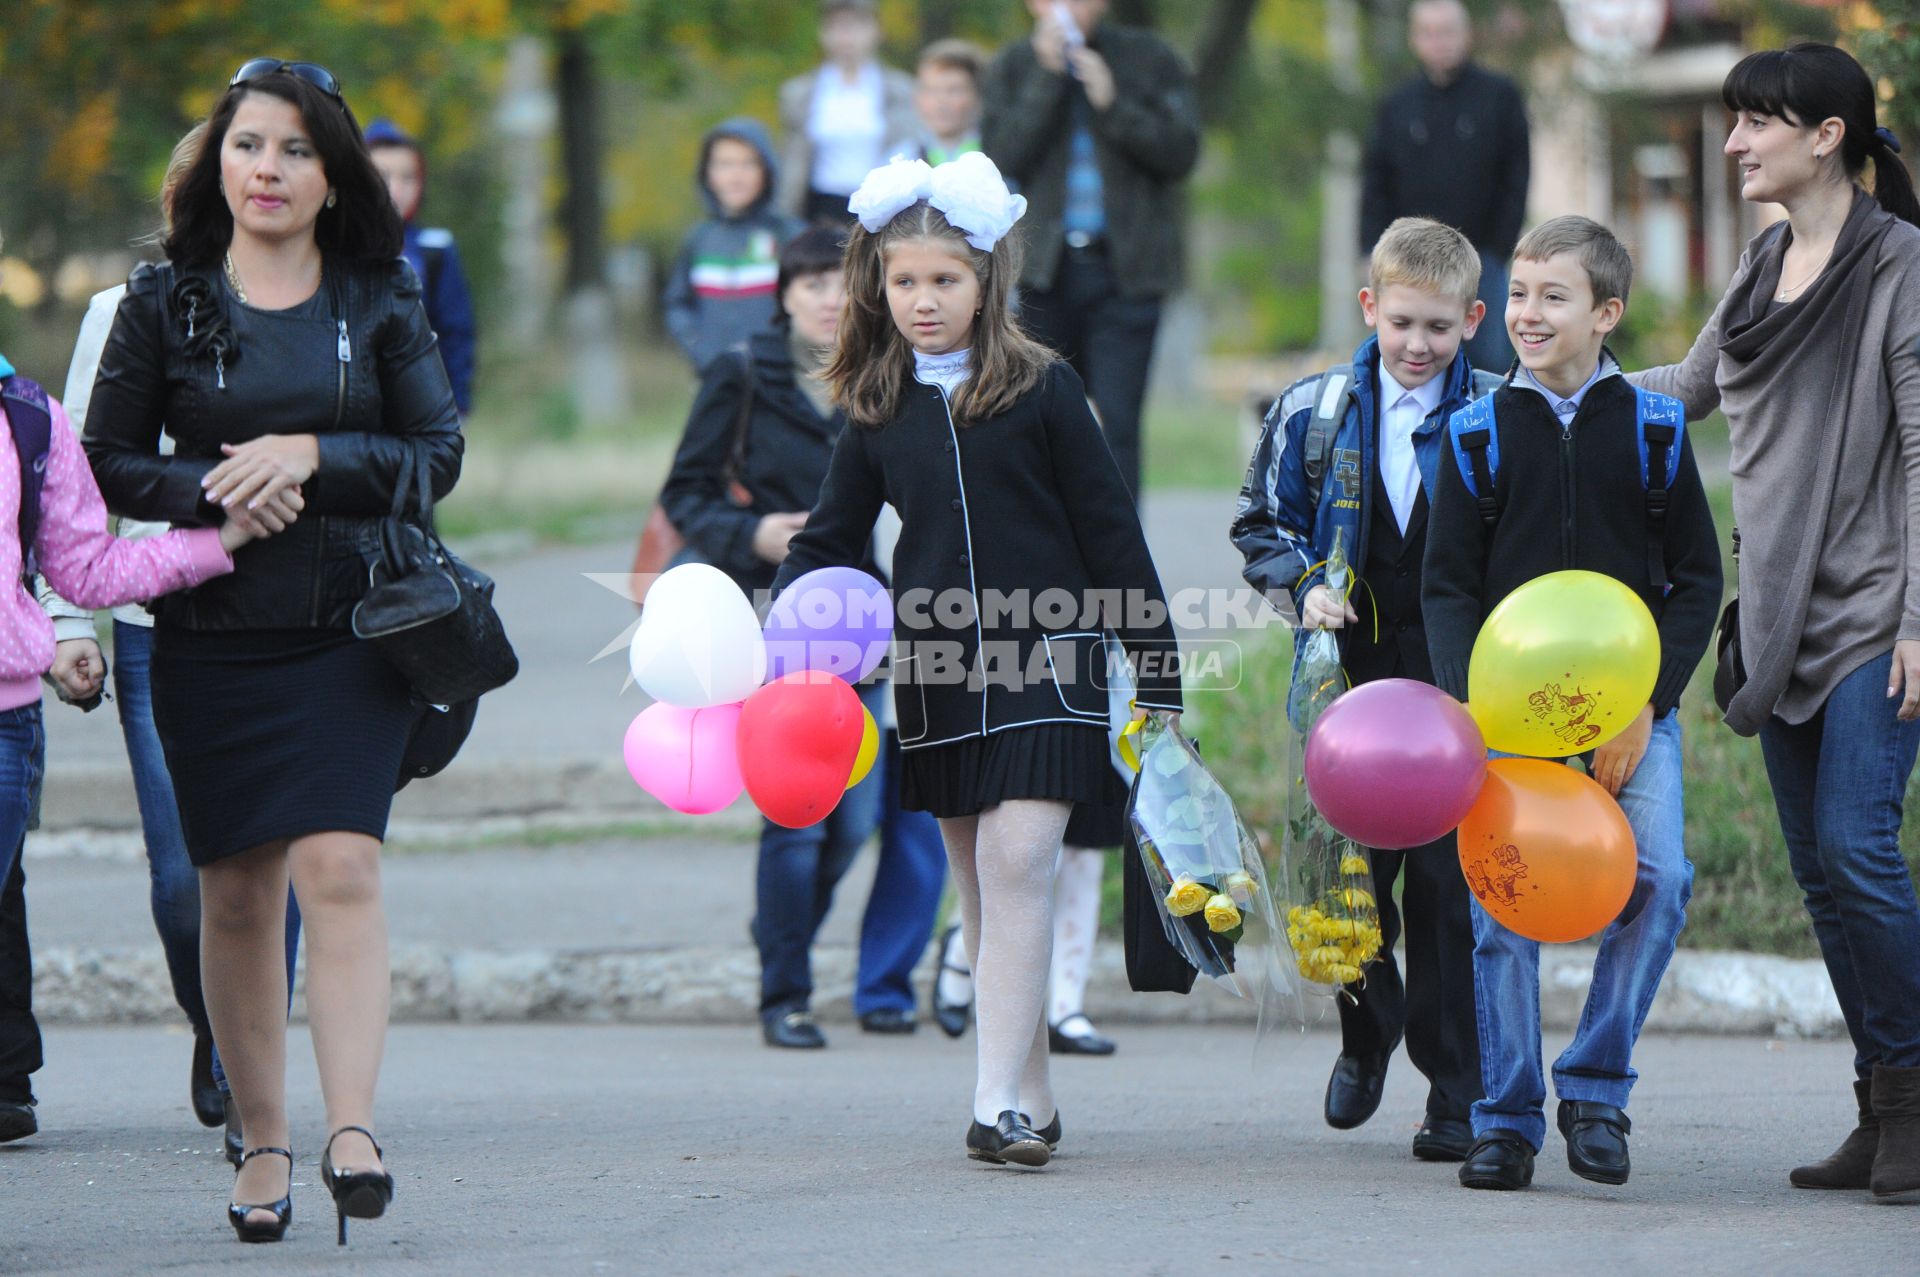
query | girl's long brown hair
[873, 361]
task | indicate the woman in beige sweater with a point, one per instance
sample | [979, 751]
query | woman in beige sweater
[1814, 356]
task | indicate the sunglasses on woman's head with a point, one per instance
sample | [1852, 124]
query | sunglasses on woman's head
[312, 72]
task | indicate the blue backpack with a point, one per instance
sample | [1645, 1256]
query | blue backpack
[1662, 425]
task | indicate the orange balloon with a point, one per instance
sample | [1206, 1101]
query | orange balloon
[1547, 851]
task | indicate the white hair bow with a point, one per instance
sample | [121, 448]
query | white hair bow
[969, 192]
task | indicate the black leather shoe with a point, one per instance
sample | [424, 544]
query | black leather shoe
[1353, 1092]
[1596, 1140]
[793, 1029]
[1443, 1139]
[1075, 1035]
[1009, 1140]
[952, 1017]
[205, 1092]
[1498, 1160]
[1050, 1132]
[17, 1120]
[235, 1141]
[888, 1020]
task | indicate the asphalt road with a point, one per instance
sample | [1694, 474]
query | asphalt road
[580, 1149]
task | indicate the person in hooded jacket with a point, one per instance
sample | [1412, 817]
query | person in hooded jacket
[721, 290]
[430, 251]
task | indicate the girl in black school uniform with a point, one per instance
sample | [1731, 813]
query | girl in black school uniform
[1013, 514]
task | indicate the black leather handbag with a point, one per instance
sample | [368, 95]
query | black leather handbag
[1729, 670]
[428, 612]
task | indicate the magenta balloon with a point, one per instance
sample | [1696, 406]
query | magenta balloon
[1395, 764]
[835, 620]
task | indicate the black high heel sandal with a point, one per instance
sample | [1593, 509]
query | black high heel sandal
[356, 1194]
[237, 1212]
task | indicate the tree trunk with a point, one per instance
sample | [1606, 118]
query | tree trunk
[1340, 188]
[580, 212]
[1223, 45]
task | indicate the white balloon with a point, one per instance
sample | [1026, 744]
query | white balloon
[699, 643]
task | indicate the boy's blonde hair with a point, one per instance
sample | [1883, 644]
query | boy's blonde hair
[1608, 265]
[1422, 254]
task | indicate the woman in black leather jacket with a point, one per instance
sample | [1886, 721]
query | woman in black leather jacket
[284, 348]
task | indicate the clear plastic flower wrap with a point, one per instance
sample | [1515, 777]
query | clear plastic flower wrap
[1209, 885]
[1325, 880]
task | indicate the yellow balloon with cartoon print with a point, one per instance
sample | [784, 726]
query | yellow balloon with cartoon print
[1563, 665]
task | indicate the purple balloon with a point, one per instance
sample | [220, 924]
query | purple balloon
[1395, 764]
[837, 620]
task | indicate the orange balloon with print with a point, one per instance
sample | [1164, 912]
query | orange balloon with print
[1547, 851]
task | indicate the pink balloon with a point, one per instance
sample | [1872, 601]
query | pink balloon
[1395, 764]
[687, 758]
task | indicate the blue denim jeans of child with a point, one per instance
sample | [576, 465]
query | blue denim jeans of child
[23, 754]
[1634, 952]
[1838, 781]
[175, 883]
[905, 897]
[798, 871]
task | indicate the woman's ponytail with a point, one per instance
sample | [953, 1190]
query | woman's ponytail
[1892, 183]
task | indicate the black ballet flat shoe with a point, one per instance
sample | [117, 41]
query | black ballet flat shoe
[794, 1030]
[1443, 1139]
[1050, 1132]
[234, 1141]
[1596, 1137]
[890, 1020]
[201, 1088]
[356, 1194]
[1499, 1160]
[1354, 1090]
[1009, 1141]
[952, 1017]
[1084, 1040]
[249, 1230]
[17, 1120]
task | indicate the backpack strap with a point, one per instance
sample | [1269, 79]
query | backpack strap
[31, 417]
[1476, 451]
[1330, 398]
[1661, 425]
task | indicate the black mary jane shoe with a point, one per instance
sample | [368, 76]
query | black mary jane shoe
[208, 1102]
[952, 1017]
[1354, 1090]
[1596, 1137]
[356, 1194]
[238, 1213]
[1443, 1139]
[794, 1030]
[1075, 1035]
[1499, 1160]
[888, 1020]
[1009, 1141]
[234, 1142]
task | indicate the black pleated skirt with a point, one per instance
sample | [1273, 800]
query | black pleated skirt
[274, 734]
[1063, 762]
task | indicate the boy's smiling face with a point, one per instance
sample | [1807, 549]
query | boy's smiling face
[1420, 332]
[1556, 324]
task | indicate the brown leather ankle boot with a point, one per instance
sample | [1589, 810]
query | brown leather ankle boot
[1850, 1165]
[1896, 1102]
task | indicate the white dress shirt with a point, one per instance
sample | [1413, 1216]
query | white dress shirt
[1401, 413]
[848, 128]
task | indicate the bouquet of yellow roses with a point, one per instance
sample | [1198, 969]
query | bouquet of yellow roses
[1205, 873]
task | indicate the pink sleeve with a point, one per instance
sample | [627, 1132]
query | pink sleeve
[89, 565]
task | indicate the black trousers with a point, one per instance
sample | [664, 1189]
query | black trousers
[1108, 338]
[19, 1032]
[1433, 1008]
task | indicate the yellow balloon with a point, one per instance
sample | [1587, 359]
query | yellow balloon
[869, 749]
[1562, 665]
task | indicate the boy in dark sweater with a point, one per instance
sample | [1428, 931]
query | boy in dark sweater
[1571, 490]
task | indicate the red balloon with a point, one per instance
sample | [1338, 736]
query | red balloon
[799, 737]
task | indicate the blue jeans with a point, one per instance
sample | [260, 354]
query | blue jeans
[906, 895]
[1838, 781]
[1634, 952]
[175, 883]
[23, 756]
[797, 873]
[1489, 349]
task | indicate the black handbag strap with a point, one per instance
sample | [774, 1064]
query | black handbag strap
[413, 475]
[743, 422]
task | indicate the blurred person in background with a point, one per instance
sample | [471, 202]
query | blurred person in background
[843, 119]
[946, 93]
[431, 253]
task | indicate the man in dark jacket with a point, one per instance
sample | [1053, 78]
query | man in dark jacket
[1097, 126]
[1451, 144]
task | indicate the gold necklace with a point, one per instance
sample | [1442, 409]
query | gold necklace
[233, 280]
